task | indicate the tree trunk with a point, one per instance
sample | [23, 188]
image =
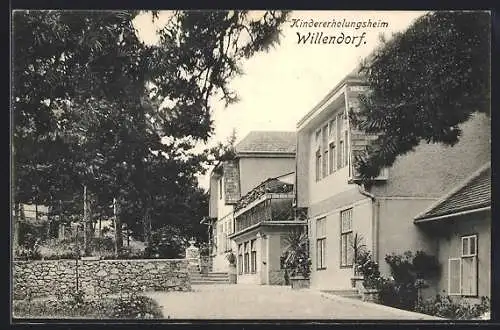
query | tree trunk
[49, 226]
[15, 225]
[86, 236]
[118, 229]
[147, 226]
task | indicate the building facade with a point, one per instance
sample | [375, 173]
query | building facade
[263, 219]
[340, 208]
[460, 223]
[258, 156]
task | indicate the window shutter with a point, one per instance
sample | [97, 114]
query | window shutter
[469, 276]
[454, 278]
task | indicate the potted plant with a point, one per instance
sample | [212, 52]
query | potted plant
[358, 247]
[372, 281]
[297, 259]
[231, 258]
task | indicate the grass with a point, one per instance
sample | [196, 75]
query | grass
[126, 307]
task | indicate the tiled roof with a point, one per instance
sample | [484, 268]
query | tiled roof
[474, 193]
[267, 142]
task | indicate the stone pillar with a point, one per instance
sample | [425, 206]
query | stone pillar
[193, 256]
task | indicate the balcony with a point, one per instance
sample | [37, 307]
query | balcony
[270, 207]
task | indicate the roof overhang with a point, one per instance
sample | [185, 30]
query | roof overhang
[334, 94]
[451, 215]
[264, 154]
[424, 216]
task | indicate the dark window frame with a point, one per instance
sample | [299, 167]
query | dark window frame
[346, 235]
[321, 241]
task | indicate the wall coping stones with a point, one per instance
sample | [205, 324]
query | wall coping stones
[42, 278]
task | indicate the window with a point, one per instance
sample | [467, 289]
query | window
[333, 127]
[333, 159]
[253, 257]
[324, 148]
[469, 265]
[318, 165]
[332, 151]
[246, 259]
[341, 156]
[346, 149]
[346, 236]
[220, 188]
[240, 258]
[342, 141]
[325, 163]
[320, 243]
[462, 272]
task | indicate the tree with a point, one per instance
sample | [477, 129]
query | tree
[92, 102]
[423, 83]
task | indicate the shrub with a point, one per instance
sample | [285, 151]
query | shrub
[30, 230]
[29, 249]
[204, 249]
[166, 242]
[425, 266]
[135, 307]
[367, 267]
[102, 244]
[58, 249]
[231, 258]
[130, 307]
[444, 306]
[408, 272]
[398, 295]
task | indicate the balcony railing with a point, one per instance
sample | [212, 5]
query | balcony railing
[270, 207]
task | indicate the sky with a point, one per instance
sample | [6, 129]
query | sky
[280, 86]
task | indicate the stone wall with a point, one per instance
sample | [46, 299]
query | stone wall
[51, 277]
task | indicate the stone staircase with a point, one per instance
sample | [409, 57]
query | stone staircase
[348, 293]
[198, 278]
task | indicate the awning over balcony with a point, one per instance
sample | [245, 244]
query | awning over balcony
[473, 195]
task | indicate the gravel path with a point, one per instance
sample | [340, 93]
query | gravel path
[271, 302]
